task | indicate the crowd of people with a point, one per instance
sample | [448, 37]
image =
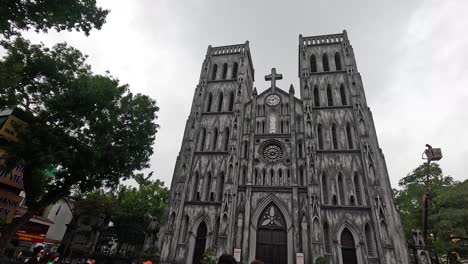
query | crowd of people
[40, 257]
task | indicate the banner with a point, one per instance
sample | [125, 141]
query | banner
[8, 203]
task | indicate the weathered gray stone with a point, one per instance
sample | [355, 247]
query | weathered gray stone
[309, 169]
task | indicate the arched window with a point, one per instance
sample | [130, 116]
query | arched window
[231, 101]
[243, 176]
[357, 188]
[348, 247]
[280, 177]
[337, 61]
[234, 70]
[319, 136]
[215, 139]
[288, 177]
[264, 176]
[272, 177]
[326, 237]
[221, 186]
[225, 66]
[329, 96]
[334, 139]
[313, 63]
[299, 149]
[201, 139]
[343, 95]
[226, 139]
[208, 187]
[341, 189]
[220, 102]
[200, 243]
[263, 127]
[214, 72]
[258, 127]
[325, 62]
[325, 189]
[349, 135]
[195, 192]
[302, 180]
[316, 97]
[369, 240]
[208, 102]
[334, 200]
[246, 150]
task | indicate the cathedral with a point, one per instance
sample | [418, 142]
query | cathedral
[286, 176]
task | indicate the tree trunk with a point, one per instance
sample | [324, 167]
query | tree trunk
[9, 230]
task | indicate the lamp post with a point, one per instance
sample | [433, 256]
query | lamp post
[432, 154]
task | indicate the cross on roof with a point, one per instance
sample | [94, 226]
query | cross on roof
[273, 77]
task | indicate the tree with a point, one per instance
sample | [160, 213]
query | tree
[92, 129]
[450, 219]
[409, 197]
[81, 15]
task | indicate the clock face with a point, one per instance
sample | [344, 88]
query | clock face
[272, 100]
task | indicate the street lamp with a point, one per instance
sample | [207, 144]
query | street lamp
[432, 154]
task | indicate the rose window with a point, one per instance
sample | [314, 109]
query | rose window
[272, 153]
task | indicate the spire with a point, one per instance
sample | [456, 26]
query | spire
[254, 92]
[291, 89]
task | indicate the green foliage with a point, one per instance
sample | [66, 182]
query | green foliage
[409, 197]
[91, 128]
[81, 15]
[209, 257]
[321, 260]
[451, 225]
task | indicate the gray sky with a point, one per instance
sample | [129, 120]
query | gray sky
[412, 56]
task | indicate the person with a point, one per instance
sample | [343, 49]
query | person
[226, 259]
[53, 258]
[38, 254]
[91, 260]
[147, 262]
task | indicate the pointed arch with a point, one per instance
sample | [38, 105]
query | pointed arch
[357, 188]
[215, 139]
[325, 62]
[334, 137]
[200, 242]
[209, 101]
[349, 136]
[316, 97]
[214, 72]
[348, 247]
[220, 101]
[344, 101]
[341, 188]
[235, 66]
[329, 96]
[231, 101]
[337, 61]
[320, 136]
[224, 72]
[313, 63]
[226, 139]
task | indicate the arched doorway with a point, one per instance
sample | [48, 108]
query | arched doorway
[272, 241]
[348, 250]
[200, 243]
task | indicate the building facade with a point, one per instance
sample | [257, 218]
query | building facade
[282, 177]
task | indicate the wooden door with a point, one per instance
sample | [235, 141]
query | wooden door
[272, 241]
[200, 243]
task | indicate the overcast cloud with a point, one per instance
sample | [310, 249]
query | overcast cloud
[412, 56]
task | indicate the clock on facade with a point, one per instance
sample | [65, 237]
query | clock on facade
[272, 100]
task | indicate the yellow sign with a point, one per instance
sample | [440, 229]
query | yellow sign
[8, 129]
[8, 204]
[13, 178]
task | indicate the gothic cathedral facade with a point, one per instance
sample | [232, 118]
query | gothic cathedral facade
[277, 177]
